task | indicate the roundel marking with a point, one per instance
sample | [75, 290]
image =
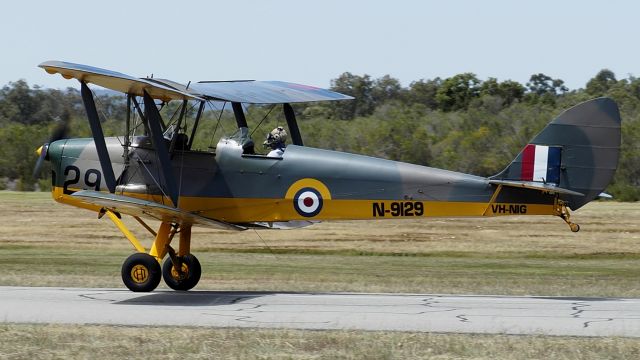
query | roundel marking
[308, 196]
[307, 202]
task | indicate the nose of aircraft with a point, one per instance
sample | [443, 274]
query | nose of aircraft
[42, 156]
[39, 150]
[59, 132]
[49, 151]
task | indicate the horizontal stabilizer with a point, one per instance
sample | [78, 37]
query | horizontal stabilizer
[604, 195]
[535, 186]
[137, 207]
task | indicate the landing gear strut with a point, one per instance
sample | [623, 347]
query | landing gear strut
[563, 212]
[141, 272]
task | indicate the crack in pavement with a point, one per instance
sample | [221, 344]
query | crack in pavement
[577, 311]
[428, 302]
[92, 297]
[587, 323]
[238, 299]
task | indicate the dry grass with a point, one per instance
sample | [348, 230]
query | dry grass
[607, 228]
[97, 342]
[47, 244]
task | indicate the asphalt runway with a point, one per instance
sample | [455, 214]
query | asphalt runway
[395, 312]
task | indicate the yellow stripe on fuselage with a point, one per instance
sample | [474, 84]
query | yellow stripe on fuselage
[245, 210]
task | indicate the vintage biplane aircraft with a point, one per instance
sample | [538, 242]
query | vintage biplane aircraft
[153, 172]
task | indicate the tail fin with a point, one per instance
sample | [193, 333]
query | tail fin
[577, 151]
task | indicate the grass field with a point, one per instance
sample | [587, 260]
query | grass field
[43, 243]
[47, 244]
[112, 342]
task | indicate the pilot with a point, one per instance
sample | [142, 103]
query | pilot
[276, 141]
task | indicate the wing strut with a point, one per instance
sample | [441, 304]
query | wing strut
[239, 113]
[296, 138]
[98, 137]
[142, 117]
[195, 124]
[161, 147]
[174, 139]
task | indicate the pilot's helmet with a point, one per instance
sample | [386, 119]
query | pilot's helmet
[277, 136]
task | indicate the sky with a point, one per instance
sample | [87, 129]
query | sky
[312, 42]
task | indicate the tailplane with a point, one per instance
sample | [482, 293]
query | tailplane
[578, 151]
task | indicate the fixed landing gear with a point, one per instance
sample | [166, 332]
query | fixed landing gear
[183, 274]
[141, 272]
[563, 212]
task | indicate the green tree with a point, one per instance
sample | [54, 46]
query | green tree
[424, 92]
[509, 91]
[457, 92]
[360, 87]
[542, 84]
[601, 83]
[18, 103]
[386, 89]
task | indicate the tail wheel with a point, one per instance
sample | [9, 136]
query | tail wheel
[187, 277]
[141, 272]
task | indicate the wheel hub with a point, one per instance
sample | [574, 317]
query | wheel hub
[139, 274]
[182, 274]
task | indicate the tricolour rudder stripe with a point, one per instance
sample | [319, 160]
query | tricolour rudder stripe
[553, 165]
[582, 151]
[540, 163]
[528, 160]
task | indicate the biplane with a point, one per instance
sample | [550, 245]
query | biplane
[154, 172]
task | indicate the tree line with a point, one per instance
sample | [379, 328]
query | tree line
[460, 123]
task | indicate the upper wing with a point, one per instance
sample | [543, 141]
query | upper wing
[535, 186]
[117, 81]
[137, 207]
[264, 92]
[251, 92]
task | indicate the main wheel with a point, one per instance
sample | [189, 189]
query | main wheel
[190, 276]
[141, 272]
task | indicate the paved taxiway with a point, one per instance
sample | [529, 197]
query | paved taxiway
[403, 312]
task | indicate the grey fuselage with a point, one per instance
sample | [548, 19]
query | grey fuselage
[243, 188]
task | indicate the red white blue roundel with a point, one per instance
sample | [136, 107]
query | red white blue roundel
[307, 202]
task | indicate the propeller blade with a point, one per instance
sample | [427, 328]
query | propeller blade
[61, 131]
[42, 154]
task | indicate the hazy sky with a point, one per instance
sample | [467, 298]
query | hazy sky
[313, 42]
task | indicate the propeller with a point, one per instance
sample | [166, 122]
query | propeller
[59, 132]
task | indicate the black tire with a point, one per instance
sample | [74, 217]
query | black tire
[191, 268]
[141, 272]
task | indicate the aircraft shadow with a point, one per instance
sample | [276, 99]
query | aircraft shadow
[213, 298]
[197, 298]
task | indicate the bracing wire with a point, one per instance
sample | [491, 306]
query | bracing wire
[260, 123]
[100, 108]
[264, 242]
[217, 123]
